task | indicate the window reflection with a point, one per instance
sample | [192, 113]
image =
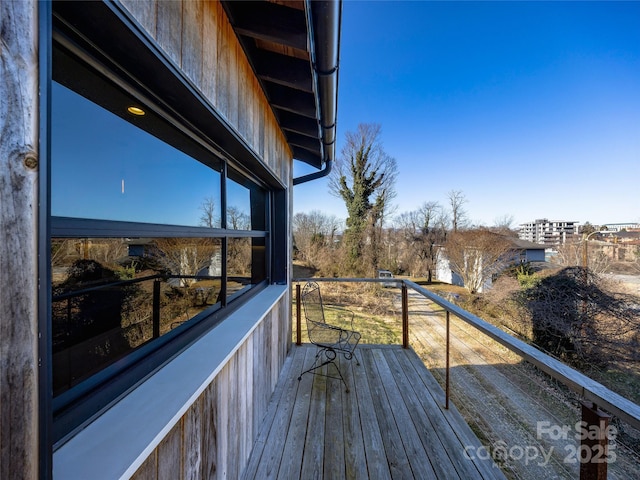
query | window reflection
[238, 206]
[246, 204]
[245, 264]
[105, 167]
[114, 295]
[238, 265]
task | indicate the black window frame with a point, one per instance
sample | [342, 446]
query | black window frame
[142, 60]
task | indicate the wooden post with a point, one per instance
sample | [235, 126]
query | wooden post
[298, 316]
[593, 453]
[405, 317]
[446, 389]
[19, 415]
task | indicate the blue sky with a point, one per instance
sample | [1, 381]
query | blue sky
[531, 109]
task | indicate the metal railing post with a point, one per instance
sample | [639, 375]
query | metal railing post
[405, 317]
[298, 316]
[593, 453]
[446, 390]
[156, 308]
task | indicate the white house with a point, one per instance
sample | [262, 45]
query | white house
[522, 251]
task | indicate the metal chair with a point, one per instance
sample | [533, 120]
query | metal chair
[331, 340]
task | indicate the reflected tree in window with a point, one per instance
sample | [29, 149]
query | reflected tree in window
[237, 219]
[187, 256]
[87, 320]
[210, 217]
[239, 257]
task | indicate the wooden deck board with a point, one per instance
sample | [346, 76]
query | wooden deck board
[419, 414]
[355, 459]
[376, 461]
[297, 433]
[396, 455]
[391, 424]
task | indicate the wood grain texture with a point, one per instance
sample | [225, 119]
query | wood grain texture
[246, 401]
[236, 55]
[169, 28]
[355, 459]
[149, 468]
[18, 248]
[395, 452]
[192, 54]
[192, 441]
[144, 12]
[223, 453]
[210, 431]
[297, 406]
[235, 416]
[211, 15]
[389, 425]
[312, 461]
[223, 66]
[170, 455]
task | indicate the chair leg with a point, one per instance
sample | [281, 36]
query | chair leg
[356, 357]
[330, 357]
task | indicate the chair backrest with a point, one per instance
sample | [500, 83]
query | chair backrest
[312, 303]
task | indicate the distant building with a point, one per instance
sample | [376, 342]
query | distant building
[619, 227]
[548, 232]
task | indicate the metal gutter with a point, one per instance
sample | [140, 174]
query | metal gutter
[325, 18]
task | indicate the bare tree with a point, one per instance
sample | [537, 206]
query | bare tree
[314, 235]
[476, 256]
[406, 231]
[364, 178]
[423, 231]
[237, 219]
[503, 224]
[636, 255]
[575, 314]
[572, 255]
[239, 257]
[186, 256]
[458, 214]
[209, 217]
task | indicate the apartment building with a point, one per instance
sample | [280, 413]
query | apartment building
[619, 227]
[548, 232]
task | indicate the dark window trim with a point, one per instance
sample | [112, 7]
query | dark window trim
[45, 374]
[70, 227]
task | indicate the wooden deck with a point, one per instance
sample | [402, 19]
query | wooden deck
[392, 424]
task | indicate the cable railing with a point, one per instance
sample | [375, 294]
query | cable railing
[95, 325]
[598, 401]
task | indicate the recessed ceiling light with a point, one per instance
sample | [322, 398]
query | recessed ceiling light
[135, 110]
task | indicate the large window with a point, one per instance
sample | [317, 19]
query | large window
[154, 234]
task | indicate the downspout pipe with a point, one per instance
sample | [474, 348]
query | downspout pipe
[325, 22]
[315, 175]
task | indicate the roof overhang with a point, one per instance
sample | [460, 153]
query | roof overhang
[293, 48]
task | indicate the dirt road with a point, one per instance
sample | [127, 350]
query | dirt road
[526, 420]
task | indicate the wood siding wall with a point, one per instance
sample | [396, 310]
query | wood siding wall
[215, 437]
[18, 247]
[198, 38]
